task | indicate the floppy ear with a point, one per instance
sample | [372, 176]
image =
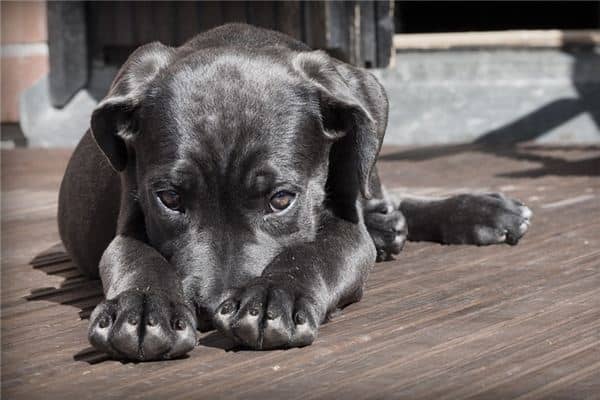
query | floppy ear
[347, 118]
[113, 121]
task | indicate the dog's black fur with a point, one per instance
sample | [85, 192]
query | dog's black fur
[169, 196]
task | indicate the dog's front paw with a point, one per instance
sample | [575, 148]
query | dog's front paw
[484, 219]
[267, 315]
[142, 326]
[387, 228]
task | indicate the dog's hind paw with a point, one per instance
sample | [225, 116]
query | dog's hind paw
[142, 326]
[387, 228]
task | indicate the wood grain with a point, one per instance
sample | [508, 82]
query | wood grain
[497, 39]
[436, 323]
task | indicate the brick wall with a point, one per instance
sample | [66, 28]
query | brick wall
[23, 51]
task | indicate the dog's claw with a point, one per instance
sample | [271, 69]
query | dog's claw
[227, 308]
[180, 324]
[104, 322]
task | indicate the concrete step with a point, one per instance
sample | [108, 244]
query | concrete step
[498, 96]
[436, 97]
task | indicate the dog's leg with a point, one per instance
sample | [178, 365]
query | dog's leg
[286, 305]
[144, 316]
[480, 219]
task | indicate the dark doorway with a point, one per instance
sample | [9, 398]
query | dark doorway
[461, 16]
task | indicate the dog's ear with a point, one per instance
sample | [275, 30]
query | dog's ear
[113, 121]
[347, 118]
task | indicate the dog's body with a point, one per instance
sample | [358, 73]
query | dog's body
[231, 183]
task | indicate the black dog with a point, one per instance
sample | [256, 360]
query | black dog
[231, 183]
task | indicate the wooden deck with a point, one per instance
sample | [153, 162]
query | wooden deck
[438, 323]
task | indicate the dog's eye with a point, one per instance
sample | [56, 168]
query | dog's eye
[170, 199]
[281, 200]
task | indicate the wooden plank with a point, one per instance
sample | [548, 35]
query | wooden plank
[235, 11]
[121, 19]
[439, 322]
[340, 27]
[334, 27]
[188, 21]
[289, 18]
[497, 39]
[67, 49]
[385, 31]
[211, 14]
[368, 34]
[143, 26]
[164, 21]
[262, 13]
[315, 24]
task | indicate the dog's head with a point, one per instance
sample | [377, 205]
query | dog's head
[230, 157]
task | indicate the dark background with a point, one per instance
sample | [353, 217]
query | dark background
[459, 16]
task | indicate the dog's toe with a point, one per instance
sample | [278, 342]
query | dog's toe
[142, 326]
[268, 317]
[525, 211]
